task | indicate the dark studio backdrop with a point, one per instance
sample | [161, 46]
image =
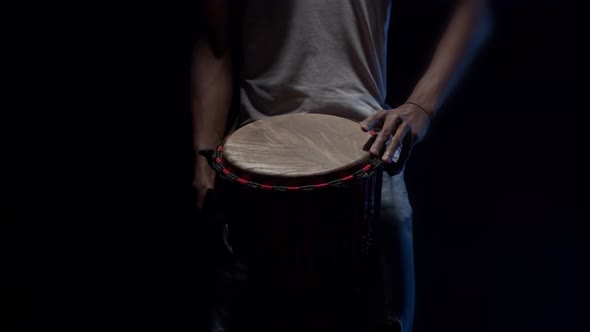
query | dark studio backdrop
[106, 230]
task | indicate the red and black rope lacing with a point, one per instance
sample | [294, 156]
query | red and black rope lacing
[215, 160]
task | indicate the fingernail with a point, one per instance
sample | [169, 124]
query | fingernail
[374, 151]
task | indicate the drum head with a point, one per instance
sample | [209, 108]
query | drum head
[297, 146]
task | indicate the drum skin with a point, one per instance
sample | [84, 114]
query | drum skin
[304, 249]
[297, 146]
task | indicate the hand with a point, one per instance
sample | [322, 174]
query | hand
[204, 180]
[407, 122]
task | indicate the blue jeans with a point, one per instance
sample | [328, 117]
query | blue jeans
[394, 242]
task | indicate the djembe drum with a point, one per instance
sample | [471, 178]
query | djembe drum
[302, 194]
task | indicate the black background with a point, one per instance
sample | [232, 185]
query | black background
[101, 231]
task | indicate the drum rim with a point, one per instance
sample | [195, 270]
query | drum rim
[234, 175]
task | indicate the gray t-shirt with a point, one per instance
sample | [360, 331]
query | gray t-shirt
[313, 56]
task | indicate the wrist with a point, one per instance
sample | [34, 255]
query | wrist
[427, 94]
[207, 141]
[202, 147]
[428, 112]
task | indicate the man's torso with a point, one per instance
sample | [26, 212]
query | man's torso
[316, 56]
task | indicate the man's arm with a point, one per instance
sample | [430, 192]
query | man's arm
[211, 88]
[467, 29]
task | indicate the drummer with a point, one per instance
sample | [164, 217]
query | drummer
[327, 57]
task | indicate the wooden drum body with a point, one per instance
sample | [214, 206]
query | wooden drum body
[302, 195]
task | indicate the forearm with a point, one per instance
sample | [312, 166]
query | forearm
[465, 32]
[211, 95]
[211, 75]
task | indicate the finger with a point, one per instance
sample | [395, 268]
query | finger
[395, 143]
[371, 121]
[365, 124]
[369, 142]
[389, 127]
